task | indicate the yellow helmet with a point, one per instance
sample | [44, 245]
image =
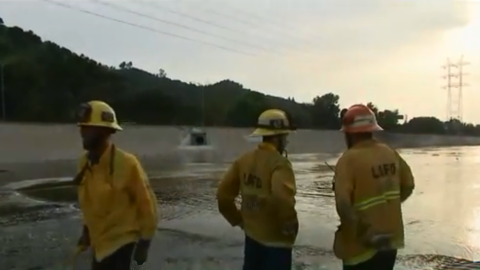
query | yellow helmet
[273, 122]
[98, 114]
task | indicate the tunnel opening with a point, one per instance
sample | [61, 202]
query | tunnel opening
[198, 139]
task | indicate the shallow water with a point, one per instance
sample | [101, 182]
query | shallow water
[442, 218]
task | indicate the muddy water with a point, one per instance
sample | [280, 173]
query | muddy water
[442, 217]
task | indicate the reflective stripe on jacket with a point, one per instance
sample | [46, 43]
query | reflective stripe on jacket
[369, 177]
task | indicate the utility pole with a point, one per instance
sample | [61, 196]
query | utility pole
[448, 77]
[2, 89]
[203, 106]
[455, 83]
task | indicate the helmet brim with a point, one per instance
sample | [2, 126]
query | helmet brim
[259, 132]
[113, 126]
[362, 129]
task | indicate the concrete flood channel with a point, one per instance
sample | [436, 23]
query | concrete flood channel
[40, 221]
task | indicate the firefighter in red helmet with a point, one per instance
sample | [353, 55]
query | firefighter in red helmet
[371, 182]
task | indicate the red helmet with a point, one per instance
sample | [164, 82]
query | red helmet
[358, 119]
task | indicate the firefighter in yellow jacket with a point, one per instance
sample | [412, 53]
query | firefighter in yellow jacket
[265, 180]
[118, 206]
[371, 182]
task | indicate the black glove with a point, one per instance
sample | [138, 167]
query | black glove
[141, 252]
[84, 240]
[380, 241]
[290, 228]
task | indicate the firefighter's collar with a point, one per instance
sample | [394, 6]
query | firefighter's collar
[366, 142]
[104, 157]
[267, 146]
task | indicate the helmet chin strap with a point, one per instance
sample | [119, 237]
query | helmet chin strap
[348, 140]
[281, 145]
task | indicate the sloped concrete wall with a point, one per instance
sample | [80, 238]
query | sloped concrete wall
[52, 150]
[26, 143]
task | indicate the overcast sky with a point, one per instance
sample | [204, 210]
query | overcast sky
[389, 52]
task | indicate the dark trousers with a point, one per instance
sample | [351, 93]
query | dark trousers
[260, 257]
[119, 260]
[383, 260]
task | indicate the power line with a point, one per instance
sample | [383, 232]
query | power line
[157, 6]
[268, 21]
[145, 27]
[243, 21]
[455, 83]
[206, 22]
[252, 25]
[124, 9]
[258, 18]
[246, 22]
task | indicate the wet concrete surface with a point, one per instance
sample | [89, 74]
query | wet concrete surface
[40, 222]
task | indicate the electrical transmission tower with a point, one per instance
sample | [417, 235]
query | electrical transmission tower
[455, 83]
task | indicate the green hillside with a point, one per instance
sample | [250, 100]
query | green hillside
[45, 82]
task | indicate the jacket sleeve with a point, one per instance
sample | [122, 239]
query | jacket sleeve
[228, 190]
[81, 167]
[407, 182]
[344, 187]
[283, 192]
[144, 199]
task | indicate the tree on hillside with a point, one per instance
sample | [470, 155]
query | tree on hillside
[454, 126]
[425, 125]
[162, 73]
[325, 111]
[149, 106]
[471, 130]
[373, 107]
[1, 21]
[125, 65]
[246, 110]
[388, 119]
